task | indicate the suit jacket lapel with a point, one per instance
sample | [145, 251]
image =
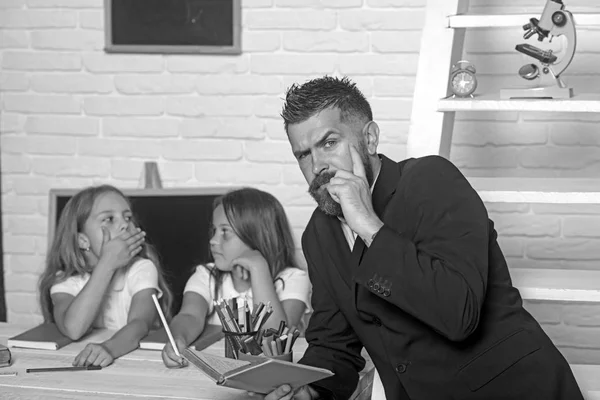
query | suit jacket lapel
[386, 185]
[382, 192]
[335, 246]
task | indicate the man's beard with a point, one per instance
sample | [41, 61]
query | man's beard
[324, 200]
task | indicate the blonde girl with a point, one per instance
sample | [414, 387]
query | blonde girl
[100, 273]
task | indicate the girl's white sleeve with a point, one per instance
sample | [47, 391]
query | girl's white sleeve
[72, 285]
[202, 282]
[294, 284]
[143, 275]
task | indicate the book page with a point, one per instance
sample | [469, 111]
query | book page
[265, 377]
[221, 364]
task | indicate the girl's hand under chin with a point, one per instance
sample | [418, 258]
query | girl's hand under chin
[238, 272]
[249, 263]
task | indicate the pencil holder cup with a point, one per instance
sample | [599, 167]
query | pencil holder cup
[236, 343]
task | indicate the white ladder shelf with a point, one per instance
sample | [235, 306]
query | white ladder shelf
[578, 103]
[432, 119]
[431, 127]
[509, 20]
[442, 43]
[538, 190]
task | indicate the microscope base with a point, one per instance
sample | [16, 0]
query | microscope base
[547, 92]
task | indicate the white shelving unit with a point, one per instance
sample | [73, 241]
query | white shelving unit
[432, 118]
[509, 20]
[538, 190]
[588, 377]
[557, 285]
[431, 127]
[582, 103]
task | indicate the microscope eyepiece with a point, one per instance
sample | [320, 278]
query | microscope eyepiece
[559, 18]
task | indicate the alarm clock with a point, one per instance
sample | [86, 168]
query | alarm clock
[462, 79]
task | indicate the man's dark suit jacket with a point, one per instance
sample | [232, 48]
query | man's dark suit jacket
[431, 299]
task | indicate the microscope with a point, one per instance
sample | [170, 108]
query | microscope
[545, 72]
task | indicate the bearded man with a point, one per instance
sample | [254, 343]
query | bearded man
[405, 263]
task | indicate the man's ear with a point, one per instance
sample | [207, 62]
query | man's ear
[82, 241]
[371, 135]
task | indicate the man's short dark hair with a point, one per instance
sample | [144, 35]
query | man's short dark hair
[304, 101]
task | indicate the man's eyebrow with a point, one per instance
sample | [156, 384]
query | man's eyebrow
[324, 138]
[319, 143]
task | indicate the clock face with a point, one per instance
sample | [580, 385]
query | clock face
[463, 83]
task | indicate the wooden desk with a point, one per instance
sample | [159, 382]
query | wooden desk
[140, 374]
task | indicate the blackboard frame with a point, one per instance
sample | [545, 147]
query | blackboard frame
[235, 48]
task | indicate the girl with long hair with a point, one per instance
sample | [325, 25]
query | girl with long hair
[253, 251]
[100, 273]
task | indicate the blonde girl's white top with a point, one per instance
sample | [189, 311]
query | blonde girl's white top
[291, 284]
[125, 283]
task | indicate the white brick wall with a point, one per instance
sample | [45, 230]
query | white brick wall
[72, 116]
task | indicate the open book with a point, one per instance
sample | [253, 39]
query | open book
[157, 339]
[44, 336]
[255, 376]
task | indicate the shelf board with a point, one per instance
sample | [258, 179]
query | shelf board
[557, 284]
[538, 190]
[587, 376]
[587, 102]
[509, 20]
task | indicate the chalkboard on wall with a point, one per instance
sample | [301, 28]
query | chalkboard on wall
[176, 221]
[173, 26]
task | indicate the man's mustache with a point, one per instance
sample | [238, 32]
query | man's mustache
[319, 181]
